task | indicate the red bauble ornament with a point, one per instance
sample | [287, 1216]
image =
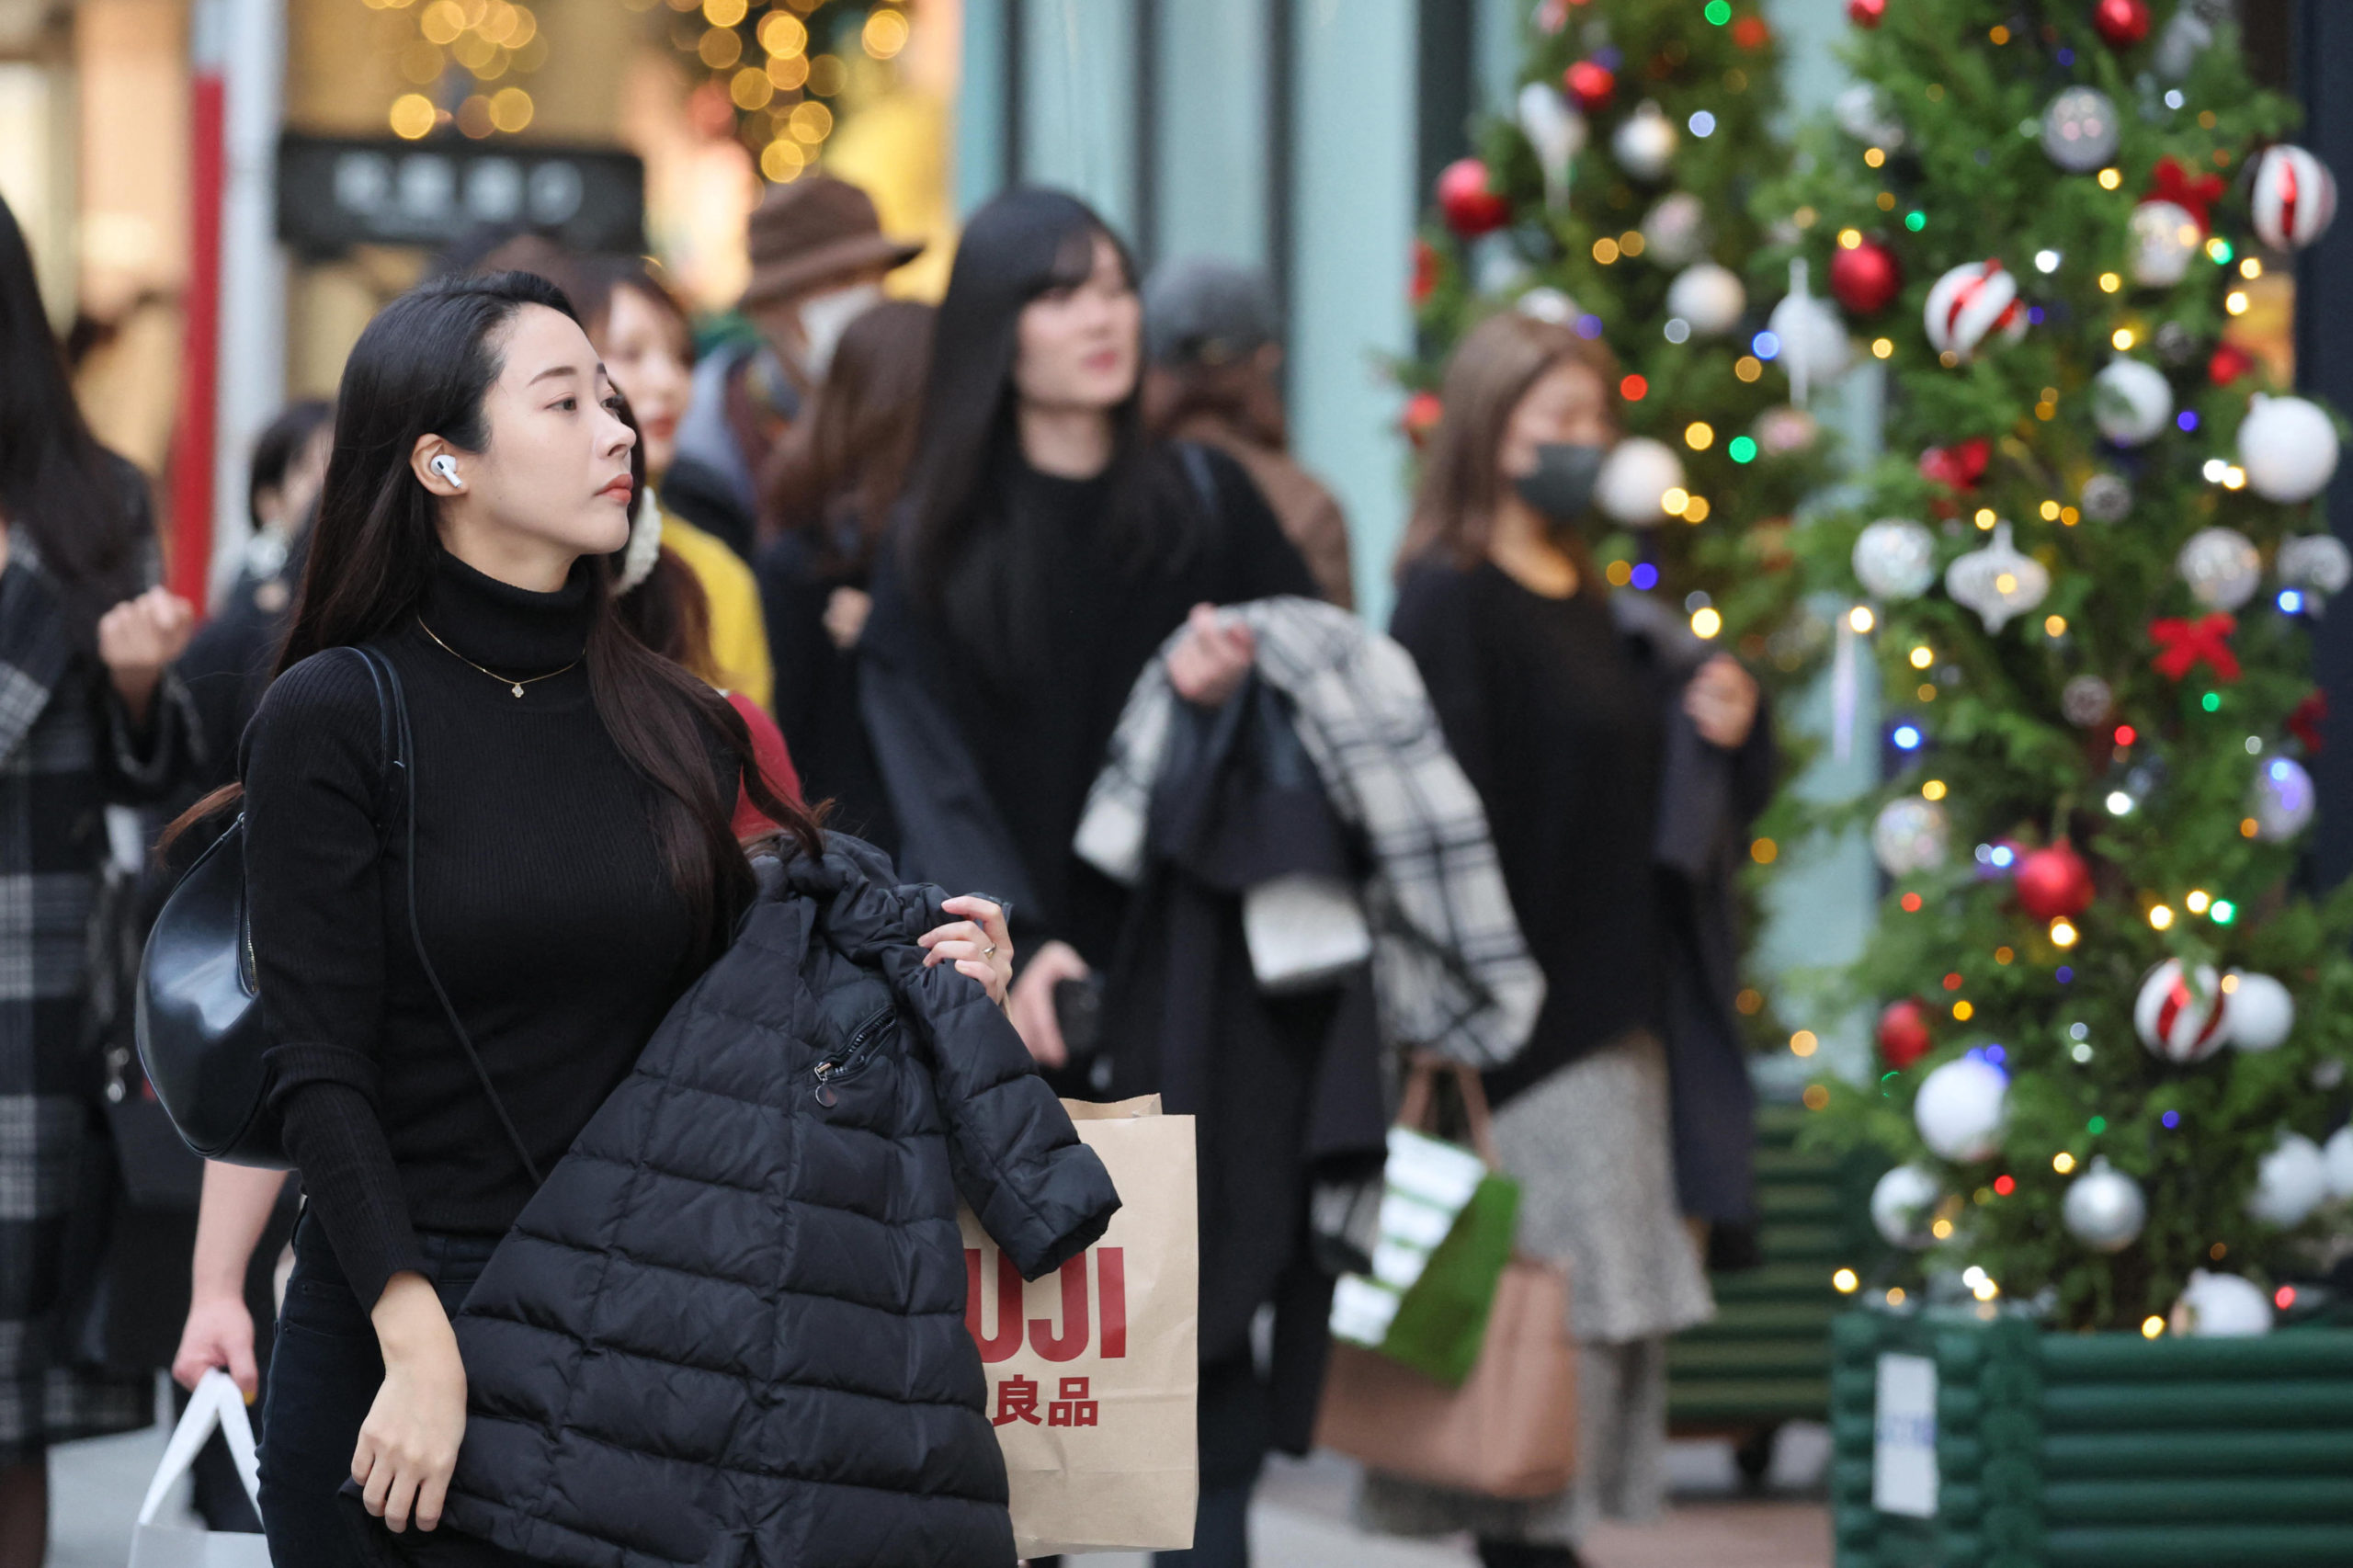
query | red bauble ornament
[1866, 13]
[2123, 23]
[2229, 363]
[1592, 84]
[1751, 33]
[1463, 200]
[1424, 282]
[1866, 278]
[2054, 884]
[1903, 1035]
[1423, 411]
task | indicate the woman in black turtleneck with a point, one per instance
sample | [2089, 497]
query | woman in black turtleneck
[574, 869]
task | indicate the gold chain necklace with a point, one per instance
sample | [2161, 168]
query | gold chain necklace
[510, 684]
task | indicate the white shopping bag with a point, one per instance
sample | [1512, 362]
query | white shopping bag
[215, 1403]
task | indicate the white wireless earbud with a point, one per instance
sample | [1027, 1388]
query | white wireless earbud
[447, 467]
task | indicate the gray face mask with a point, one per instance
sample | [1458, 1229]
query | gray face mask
[1561, 485]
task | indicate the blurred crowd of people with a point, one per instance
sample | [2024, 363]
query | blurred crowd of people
[937, 557]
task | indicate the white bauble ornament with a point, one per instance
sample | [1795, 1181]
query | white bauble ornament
[2107, 498]
[1644, 143]
[1676, 230]
[2292, 1182]
[1634, 480]
[2187, 37]
[2281, 800]
[1901, 1204]
[1862, 113]
[2181, 1014]
[1998, 582]
[1909, 836]
[2221, 1306]
[2086, 700]
[2336, 1163]
[2287, 447]
[2262, 1012]
[1895, 559]
[1970, 303]
[2104, 1209]
[1708, 296]
[1546, 303]
[2080, 130]
[2318, 564]
[2131, 401]
[2166, 240]
[1497, 270]
[1960, 1108]
[2294, 196]
[1556, 131]
[1815, 347]
[2221, 566]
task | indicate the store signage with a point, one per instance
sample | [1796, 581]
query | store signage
[334, 193]
[1904, 1454]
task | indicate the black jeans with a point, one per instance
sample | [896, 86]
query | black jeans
[324, 1374]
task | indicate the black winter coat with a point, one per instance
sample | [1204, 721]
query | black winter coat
[729, 1331]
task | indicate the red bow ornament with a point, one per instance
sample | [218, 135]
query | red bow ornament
[2304, 722]
[2185, 643]
[1960, 465]
[2192, 193]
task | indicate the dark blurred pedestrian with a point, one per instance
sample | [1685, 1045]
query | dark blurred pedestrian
[819, 257]
[1050, 547]
[832, 491]
[1620, 758]
[89, 714]
[1214, 342]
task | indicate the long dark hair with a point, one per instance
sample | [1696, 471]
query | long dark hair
[423, 367]
[56, 482]
[975, 565]
[280, 442]
[837, 474]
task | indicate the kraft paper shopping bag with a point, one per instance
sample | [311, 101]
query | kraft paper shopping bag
[1093, 1371]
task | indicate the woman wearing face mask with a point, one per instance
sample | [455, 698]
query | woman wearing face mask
[1049, 547]
[1620, 760]
[573, 867]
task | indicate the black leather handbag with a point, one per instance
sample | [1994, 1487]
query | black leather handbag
[200, 1020]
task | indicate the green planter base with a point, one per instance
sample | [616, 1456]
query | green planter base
[2107, 1451]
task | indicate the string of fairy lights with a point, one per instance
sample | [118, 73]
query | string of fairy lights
[777, 70]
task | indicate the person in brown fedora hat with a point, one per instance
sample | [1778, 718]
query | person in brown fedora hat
[819, 257]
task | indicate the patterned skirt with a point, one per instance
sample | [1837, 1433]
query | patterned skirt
[1589, 1146]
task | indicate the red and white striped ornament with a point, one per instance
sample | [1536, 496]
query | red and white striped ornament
[1969, 304]
[2295, 197]
[2182, 1015]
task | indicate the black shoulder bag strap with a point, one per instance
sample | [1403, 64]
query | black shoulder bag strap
[399, 752]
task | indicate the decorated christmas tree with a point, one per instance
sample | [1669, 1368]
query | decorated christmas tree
[2113, 1022]
[1616, 196]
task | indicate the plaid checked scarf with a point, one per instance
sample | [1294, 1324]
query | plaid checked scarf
[61, 759]
[1450, 967]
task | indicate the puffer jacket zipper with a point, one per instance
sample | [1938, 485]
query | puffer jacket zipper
[863, 1044]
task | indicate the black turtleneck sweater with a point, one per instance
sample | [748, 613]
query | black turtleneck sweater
[542, 901]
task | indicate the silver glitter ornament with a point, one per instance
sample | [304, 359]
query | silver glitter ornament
[2086, 700]
[2281, 800]
[1895, 558]
[2107, 498]
[2221, 566]
[1675, 232]
[1909, 836]
[1998, 582]
[2104, 1207]
[2079, 129]
[2175, 344]
[2318, 564]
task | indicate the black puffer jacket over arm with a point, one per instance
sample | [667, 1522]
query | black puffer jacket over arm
[729, 1331]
